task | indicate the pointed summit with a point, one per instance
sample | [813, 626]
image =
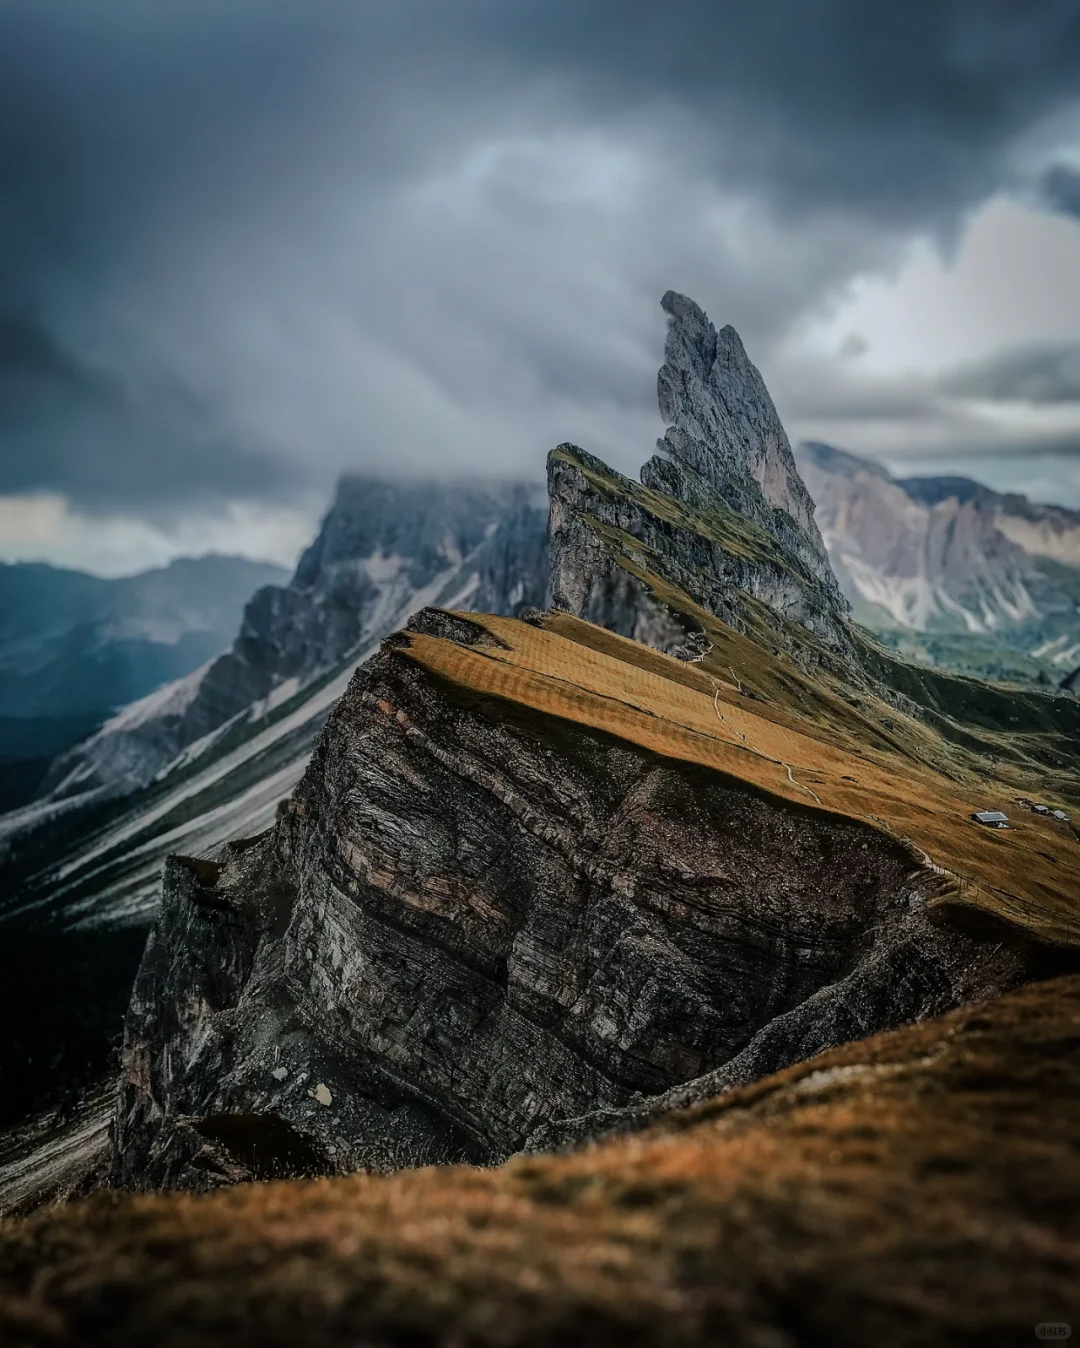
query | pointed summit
[723, 425]
[720, 516]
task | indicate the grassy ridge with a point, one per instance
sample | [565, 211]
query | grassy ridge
[754, 717]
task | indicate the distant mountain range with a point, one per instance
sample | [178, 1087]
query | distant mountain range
[76, 647]
[989, 582]
[105, 685]
[384, 549]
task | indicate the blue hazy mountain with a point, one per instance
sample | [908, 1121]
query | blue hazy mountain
[74, 647]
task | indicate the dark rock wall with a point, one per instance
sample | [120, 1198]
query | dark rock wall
[724, 513]
[476, 921]
[688, 550]
[724, 427]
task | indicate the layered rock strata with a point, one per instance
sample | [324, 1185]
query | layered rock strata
[723, 425]
[720, 512]
[530, 890]
[477, 919]
[616, 547]
[921, 1187]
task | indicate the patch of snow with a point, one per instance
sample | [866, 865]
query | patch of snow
[172, 699]
[910, 600]
[990, 618]
[1021, 605]
[134, 895]
[214, 772]
[460, 600]
[1047, 649]
[1063, 650]
[52, 1163]
[952, 605]
[281, 694]
[38, 812]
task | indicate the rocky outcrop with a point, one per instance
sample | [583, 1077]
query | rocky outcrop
[540, 882]
[723, 425]
[477, 919]
[618, 550]
[385, 548]
[720, 514]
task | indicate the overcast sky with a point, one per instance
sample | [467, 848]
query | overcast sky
[248, 244]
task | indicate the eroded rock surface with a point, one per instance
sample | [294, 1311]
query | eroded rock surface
[724, 426]
[477, 920]
[720, 514]
[485, 923]
[615, 545]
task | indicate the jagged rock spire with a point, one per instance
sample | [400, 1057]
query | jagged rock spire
[745, 534]
[723, 424]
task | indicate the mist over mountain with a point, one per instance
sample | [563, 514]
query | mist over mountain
[384, 549]
[76, 647]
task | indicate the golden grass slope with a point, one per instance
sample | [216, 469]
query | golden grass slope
[752, 716]
[920, 1187]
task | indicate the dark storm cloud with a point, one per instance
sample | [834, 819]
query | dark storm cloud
[1061, 189]
[64, 422]
[221, 215]
[900, 108]
[32, 360]
[1044, 374]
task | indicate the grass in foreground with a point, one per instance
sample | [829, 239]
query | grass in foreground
[919, 1187]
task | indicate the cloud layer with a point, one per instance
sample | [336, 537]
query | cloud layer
[246, 246]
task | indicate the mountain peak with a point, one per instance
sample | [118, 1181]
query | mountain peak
[932, 491]
[720, 512]
[817, 454]
[722, 424]
[949, 555]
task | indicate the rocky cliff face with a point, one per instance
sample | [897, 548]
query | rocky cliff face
[618, 549]
[720, 513]
[723, 425]
[540, 881]
[480, 918]
[384, 549]
[949, 555]
[920, 1187]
